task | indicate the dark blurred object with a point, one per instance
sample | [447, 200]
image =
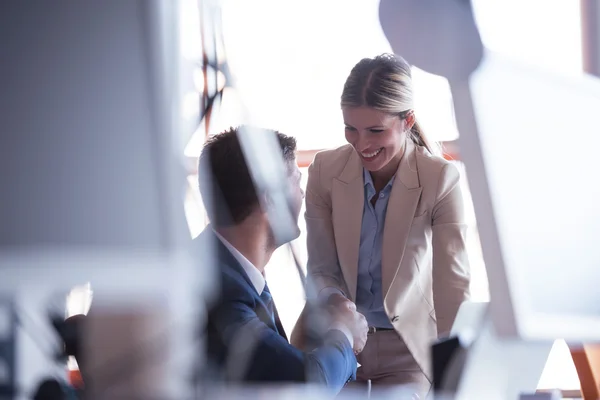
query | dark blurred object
[51, 389]
[8, 326]
[70, 331]
[448, 357]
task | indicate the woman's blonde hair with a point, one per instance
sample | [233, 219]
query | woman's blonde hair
[384, 83]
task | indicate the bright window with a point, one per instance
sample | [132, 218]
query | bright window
[543, 33]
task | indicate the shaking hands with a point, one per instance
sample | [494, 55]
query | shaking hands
[344, 311]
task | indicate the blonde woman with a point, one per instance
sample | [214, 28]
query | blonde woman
[386, 227]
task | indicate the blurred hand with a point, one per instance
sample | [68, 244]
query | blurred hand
[344, 311]
[359, 331]
[339, 301]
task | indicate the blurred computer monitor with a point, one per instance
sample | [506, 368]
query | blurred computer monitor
[538, 137]
[89, 153]
[528, 138]
[93, 179]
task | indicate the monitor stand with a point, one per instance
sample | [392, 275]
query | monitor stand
[493, 367]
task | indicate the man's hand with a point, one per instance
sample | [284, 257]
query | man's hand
[344, 311]
[338, 300]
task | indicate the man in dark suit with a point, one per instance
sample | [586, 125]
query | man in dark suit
[245, 339]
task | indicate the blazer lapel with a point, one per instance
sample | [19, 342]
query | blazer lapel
[347, 203]
[402, 205]
[228, 259]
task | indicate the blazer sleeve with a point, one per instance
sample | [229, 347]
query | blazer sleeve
[451, 272]
[256, 353]
[323, 265]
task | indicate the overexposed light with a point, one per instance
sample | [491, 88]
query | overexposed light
[291, 78]
[194, 208]
[196, 142]
[198, 77]
[190, 105]
[189, 30]
[541, 33]
[433, 106]
[72, 364]
[79, 300]
[560, 371]
[228, 112]
[221, 81]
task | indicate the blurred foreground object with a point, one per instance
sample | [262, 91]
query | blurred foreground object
[92, 161]
[538, 238]
[437, 36]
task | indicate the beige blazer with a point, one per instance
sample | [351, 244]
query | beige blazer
[425, 270]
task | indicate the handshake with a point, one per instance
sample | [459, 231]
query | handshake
[337, 312]
[343, 311]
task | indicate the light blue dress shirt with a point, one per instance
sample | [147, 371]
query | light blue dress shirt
[369, 290]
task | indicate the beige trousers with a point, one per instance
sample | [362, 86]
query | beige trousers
[386, 361]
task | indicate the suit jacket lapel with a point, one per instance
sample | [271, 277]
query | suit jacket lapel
[347, 204]
[225, 256]
[402, 205]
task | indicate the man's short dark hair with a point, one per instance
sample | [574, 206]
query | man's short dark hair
[225, 182]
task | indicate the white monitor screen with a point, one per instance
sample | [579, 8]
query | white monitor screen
[539, 138]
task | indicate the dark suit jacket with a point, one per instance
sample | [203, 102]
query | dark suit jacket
[246, 345]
